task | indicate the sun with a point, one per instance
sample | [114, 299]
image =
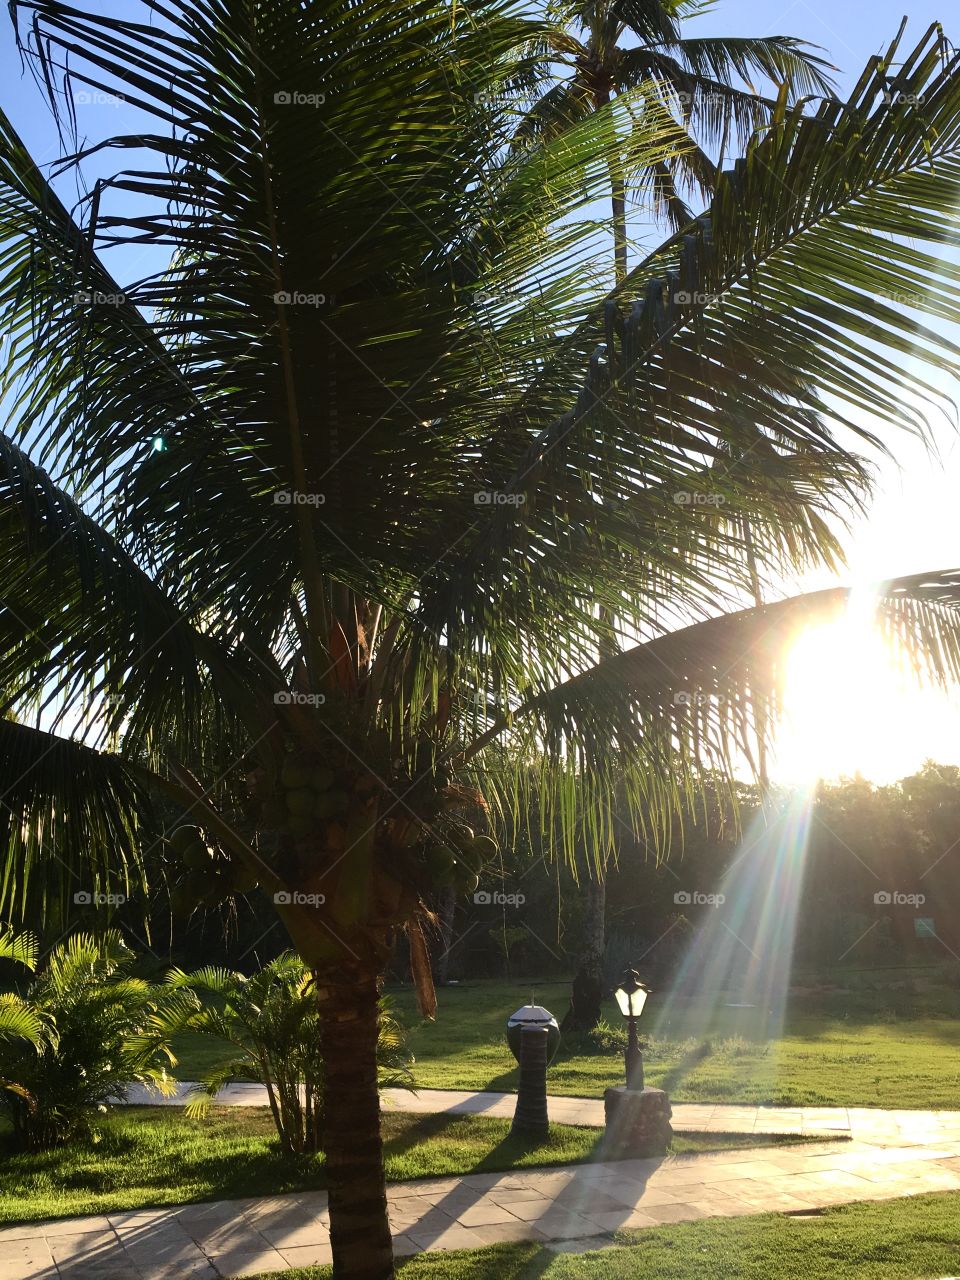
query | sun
[851, 705]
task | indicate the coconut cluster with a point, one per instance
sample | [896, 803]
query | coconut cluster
[303, 798]
[456, 860]
[209, 875]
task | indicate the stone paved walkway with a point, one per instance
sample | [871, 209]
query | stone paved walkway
[888, 1154]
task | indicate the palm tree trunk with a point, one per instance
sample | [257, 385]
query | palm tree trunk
[618, 203]
[359, 1227]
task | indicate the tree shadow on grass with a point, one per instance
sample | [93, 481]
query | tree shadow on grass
[506, 1261]
[690, 1060]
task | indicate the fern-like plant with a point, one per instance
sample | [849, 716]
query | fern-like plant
[269, 1025]
[79, 1035]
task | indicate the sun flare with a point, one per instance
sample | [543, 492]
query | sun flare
[852, 705]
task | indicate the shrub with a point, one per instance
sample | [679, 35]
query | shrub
[271, 1027]
[87, 1031]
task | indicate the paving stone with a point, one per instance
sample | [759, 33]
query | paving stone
[485, 1213]
[32, 1249]
[674, 1213]
[558, 1224]
[404, 1247]
[451, 1237]
[626, 1219]
[317, 1254]
[240, 1261]
[286, 1238]
[13, 1270]
[509, 1233]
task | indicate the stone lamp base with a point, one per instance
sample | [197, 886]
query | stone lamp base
[638, 1121]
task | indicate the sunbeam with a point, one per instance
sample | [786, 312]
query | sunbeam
[735, 976]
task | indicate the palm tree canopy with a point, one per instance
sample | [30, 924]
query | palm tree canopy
[413, 456]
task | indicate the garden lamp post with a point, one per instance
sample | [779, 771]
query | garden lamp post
[631, 996]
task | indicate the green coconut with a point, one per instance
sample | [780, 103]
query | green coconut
[295, 773]
[300, 825]
[322, 778]
[470, 857]
[181, 839]
[484, 849]
[465, 880]
[273, 812]
[196, 856]
[441, 862]
[242, 879]
[331, 804]
[301, 801]
[196, 883]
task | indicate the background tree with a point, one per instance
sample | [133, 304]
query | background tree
[414, 464]
[637, 49]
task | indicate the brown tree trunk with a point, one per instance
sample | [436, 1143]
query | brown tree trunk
[359, 1227]
[587, 992]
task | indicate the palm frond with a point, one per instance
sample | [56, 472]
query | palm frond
[22, 948]
[19, 1020]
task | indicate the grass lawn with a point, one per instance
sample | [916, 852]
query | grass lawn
[155, 1155]
[859, 1049]
[896, 1240]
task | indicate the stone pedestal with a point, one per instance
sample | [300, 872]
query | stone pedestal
[638, 1122]
[530, 1118]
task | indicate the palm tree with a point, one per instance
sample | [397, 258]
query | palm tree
[339, 501]
[704, 83]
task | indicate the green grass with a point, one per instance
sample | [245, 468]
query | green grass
[858, 1049]
[896, 1240]
[155, 1155]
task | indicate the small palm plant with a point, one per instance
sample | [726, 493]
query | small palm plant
[269, 1025]
[93, 1029]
